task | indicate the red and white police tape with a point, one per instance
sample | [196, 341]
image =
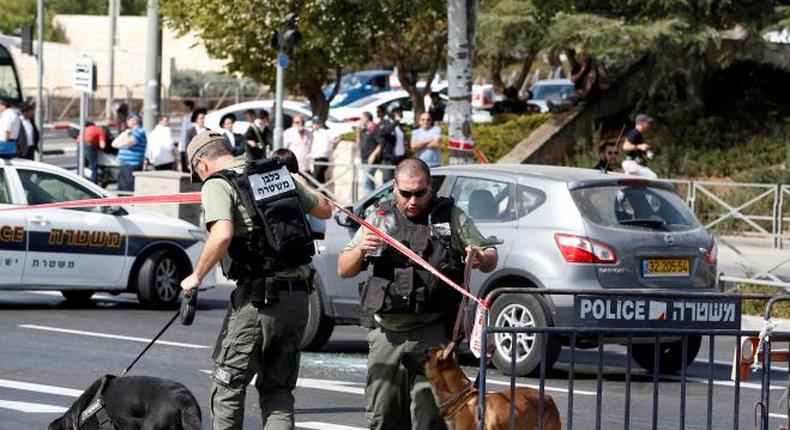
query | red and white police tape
[194, 197]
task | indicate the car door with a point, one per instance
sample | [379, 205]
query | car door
[13, 236]
[85, 247]
[491, 204]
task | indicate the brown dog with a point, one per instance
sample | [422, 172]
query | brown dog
[458, 399]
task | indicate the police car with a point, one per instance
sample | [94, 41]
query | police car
[80, 251]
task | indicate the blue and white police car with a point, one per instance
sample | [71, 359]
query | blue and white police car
[81, 251]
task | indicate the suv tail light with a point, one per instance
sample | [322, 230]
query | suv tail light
[713, 253]
[580, 249]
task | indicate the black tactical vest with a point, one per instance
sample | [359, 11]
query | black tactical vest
[281, 236]
[398, 285]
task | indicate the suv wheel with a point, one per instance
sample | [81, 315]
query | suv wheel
[520, 310]
[319, 327]
[158, 280]
[670, 354]
[78, 297]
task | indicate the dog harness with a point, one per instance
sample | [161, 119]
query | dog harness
[96, 412]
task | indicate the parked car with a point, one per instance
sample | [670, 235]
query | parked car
[560, 227]
[357, 85]
[80, 251]
[352, 113]
[290, 109]
[554, 90]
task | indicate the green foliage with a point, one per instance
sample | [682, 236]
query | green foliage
[757, 307]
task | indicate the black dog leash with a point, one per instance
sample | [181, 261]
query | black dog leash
[187, 314]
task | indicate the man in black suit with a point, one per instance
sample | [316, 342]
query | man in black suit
[28, 138]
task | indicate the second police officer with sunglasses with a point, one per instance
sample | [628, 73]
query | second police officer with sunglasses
[411, 307]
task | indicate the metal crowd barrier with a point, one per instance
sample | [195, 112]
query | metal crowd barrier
[605, 413]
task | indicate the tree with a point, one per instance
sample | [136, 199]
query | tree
[511, 33]
[413, 39]
[240, 31]
[686, 37]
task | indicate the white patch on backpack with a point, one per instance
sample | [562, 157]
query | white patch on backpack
[441, 229]
[271, 184]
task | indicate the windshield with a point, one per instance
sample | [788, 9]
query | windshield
[555, 93]
[634, 207]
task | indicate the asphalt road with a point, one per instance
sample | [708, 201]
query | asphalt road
[51, 352]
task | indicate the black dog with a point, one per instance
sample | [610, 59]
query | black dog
[132, 403]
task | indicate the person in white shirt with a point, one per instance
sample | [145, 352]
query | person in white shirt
[321, 150]
[160, 152]
[299, 139]
[186, 125]
[9, 128]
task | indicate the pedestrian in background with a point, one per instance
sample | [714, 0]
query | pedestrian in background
[637, 150]
[384, 154]
[426, 141]
[9, 128]
[131, 151]
[268, 309]
[396, 114]
[234, 140]
[94, 141]
[366, 142]
[28, 133]
[321, 149]
[608, 156]
[412, 308]
[183, 140]
[437, 107]
[198, 124]
[299, 140]
[258, 135]
[160, 151]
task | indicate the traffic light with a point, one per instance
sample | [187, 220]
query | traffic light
[27, 39]
[288, 38]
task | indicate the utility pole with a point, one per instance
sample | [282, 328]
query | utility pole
[461, 20]
[284, 41]
[40, 78]
[153, 68]
[113, 17]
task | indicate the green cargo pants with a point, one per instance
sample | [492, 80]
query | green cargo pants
[396, 398]
[258, 341]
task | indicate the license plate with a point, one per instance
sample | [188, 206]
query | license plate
[665, 267]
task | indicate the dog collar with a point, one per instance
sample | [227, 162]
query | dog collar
[452, 405]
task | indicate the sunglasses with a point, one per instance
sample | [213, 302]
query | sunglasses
[409, 194]
[612, 153]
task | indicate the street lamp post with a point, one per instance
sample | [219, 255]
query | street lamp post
[284, 41]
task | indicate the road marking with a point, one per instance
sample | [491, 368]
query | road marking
[105, 297]
[326, 426]
[39, 388]
[720, 382]
[112, 336]
[32, 408]
[547, 388]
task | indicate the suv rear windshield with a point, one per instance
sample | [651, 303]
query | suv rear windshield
[634, 207]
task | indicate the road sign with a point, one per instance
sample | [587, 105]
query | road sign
[282, 60]
[84, 74]
[658, 312]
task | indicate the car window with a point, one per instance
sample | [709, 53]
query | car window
[529, 199]
[485, 199]
[5, 192]
[634, 207]
[44, 187]
[404, 102]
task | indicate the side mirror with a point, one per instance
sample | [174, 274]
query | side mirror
[113, 210]
[493, 240]
[344, 220]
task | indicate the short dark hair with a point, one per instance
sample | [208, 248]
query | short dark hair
[288, 158]
[213, 150]
[367, 116]
[250, 112]
[263, 114]
[197, 112]
[26, 106]
[434, 94]
[413, 166]
[226, 116]
[189, 103]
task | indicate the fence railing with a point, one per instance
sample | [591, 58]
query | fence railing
[650, 398]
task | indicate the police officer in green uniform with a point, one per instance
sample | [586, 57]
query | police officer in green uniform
[411, 306]
[267, 252]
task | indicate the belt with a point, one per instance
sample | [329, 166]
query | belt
[289, 285]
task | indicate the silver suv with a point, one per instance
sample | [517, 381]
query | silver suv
[559, 227]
